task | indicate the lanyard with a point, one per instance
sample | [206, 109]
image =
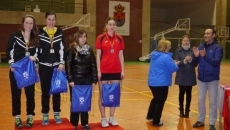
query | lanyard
[27, 43]
[51, 42]
[51, 36]
[111, 42]
[27, 46]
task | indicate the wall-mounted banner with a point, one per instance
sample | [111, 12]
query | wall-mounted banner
[121, 12]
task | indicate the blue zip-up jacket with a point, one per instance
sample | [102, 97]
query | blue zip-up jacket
[209, 65]
[161, 68]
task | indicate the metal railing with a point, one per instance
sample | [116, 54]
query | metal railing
[59, 6]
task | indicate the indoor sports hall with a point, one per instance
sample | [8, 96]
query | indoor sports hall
[146, 22]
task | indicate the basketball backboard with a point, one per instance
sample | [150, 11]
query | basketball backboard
[223, 31]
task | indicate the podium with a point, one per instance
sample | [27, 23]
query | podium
[66, 125]
[37, 125]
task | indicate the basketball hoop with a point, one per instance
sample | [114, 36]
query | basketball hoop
[223, 31]
[181, 25]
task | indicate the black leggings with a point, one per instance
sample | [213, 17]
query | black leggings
[182, 91]
[157, 103]
[16, 97]
[46, 74]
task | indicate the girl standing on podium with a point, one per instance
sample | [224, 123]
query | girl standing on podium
[81, 70]
[23, 43]
[52, 53]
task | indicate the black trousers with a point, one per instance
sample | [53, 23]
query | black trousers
[182, 91]
[157, 103]
[74, 116]
[16, 97]
[46, 74]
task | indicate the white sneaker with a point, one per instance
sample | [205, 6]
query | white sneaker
[104, 122]
[113, 121]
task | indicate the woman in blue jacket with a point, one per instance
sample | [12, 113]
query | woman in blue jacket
[159, 79]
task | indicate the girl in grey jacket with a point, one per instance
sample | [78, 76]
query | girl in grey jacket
[186, 75]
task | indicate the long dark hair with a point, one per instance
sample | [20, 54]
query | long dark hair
[33, 41]
[77, 35]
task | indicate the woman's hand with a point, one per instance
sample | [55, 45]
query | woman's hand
[122, 75]
[61, 67]
[99, 76]
[71, 84]
[32, 58]
[12, 69]
[188, 58]
[177, 62]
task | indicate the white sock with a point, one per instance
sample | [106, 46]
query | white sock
[45, 114]
[55, 113]
[30, 116]
[17, 116]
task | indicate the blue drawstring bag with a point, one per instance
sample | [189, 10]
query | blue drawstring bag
[25, 72]
[81, 98]
[111, 95]
[58, 82]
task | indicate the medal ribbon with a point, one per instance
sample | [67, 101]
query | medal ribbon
[51, 35]
[27, 46]
[27, 43]
[111, 43]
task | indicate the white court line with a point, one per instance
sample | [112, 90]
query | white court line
[137, 79]
[225, 77]
[146, 79]
[129, 92]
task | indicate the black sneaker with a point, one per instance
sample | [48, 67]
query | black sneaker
[29, 122]
[158, 124]
[86, 127]
[212, 127]
[18, 123]
[198, 124]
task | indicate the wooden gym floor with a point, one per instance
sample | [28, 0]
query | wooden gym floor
[135, 99]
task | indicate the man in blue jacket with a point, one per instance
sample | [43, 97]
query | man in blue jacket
[210, 54]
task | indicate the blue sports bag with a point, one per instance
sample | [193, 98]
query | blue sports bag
[58, 82]
[111, 95]
[25, 72]
[81, 98]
